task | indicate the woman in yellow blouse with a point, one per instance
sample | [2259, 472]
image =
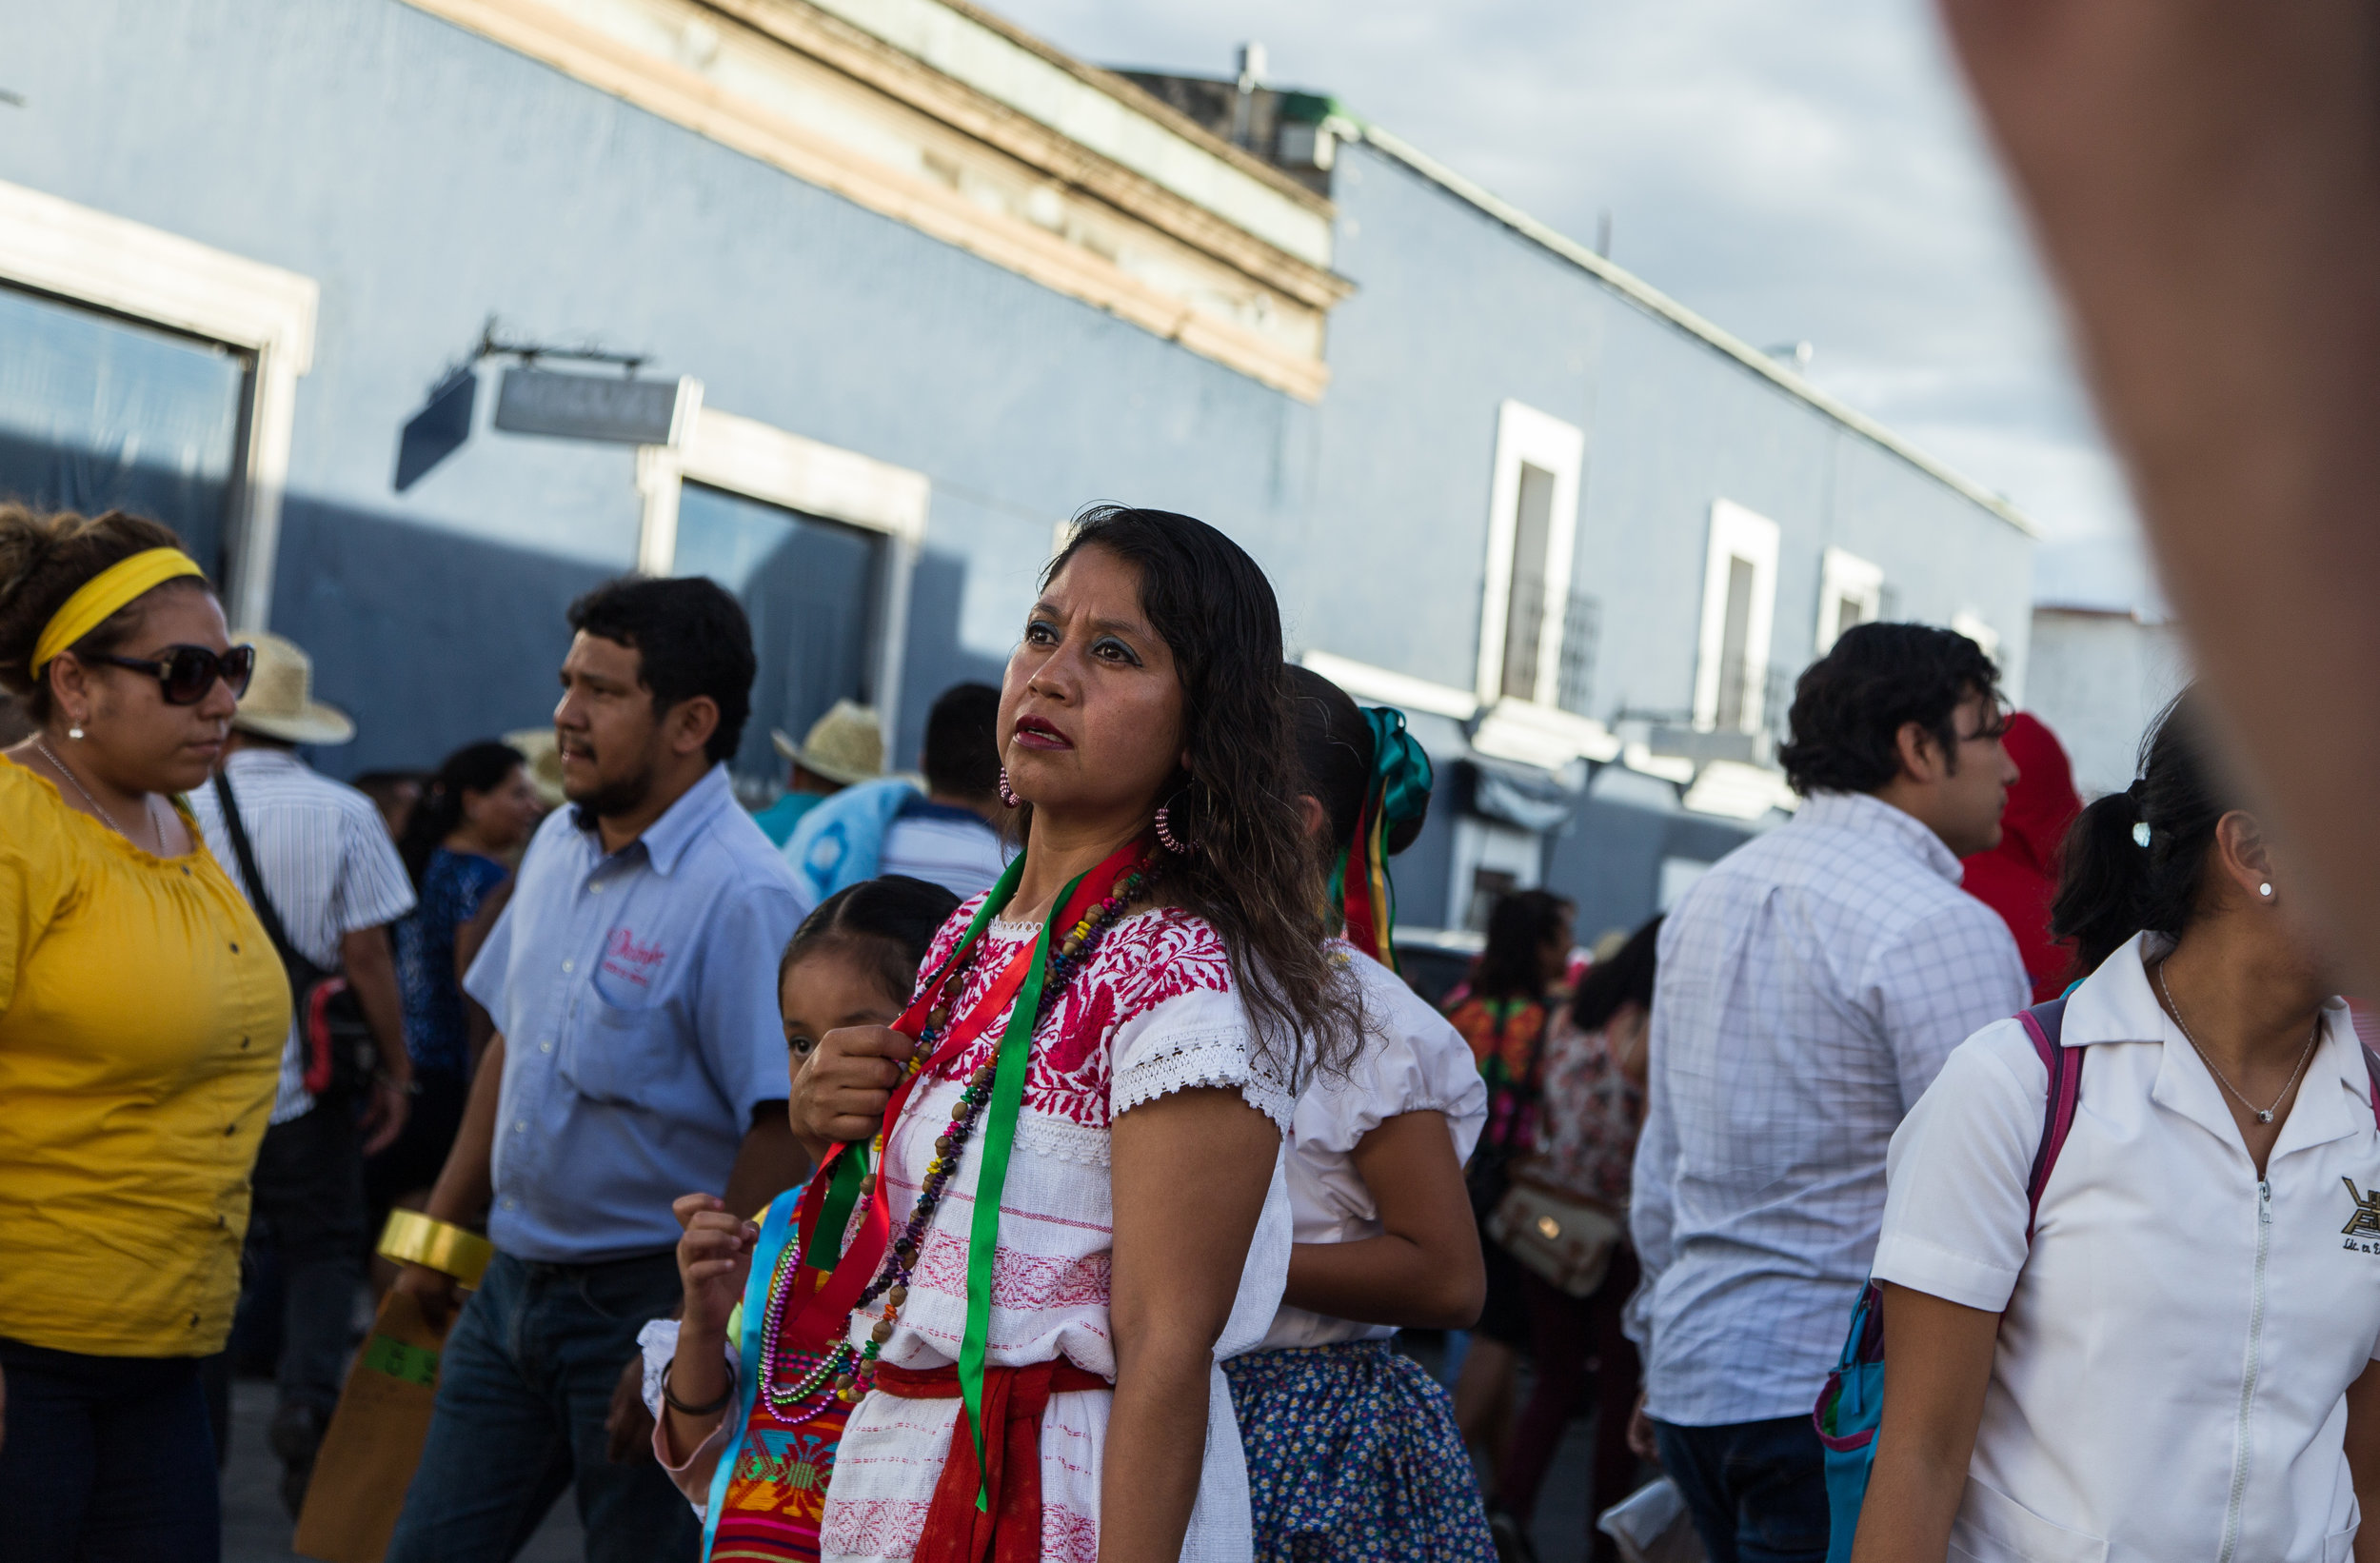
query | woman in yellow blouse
[141, 1015]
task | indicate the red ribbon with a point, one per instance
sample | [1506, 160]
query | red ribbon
[822, 1319]
[1008, 1528]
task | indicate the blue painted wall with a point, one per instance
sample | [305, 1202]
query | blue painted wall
[427, 178]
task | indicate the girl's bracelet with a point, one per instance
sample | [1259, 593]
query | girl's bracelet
[670, 1396]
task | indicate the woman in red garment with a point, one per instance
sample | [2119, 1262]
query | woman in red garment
[2018, 878]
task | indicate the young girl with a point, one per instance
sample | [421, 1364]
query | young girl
[1072, 1203]
[1351, 1449]
[757, 1470]
[2171, 1355]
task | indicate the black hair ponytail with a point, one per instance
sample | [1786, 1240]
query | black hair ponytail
[475, 767]
[2137, 858]
[890, 920]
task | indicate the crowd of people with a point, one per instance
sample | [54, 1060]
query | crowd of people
[1042, 1155]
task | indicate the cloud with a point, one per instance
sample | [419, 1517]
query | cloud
[1795, 172]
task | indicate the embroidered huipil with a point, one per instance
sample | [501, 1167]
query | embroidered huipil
[1152, 1012]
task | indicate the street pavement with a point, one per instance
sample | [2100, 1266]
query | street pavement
[256, 1529]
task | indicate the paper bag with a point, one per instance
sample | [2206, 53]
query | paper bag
[374, 1439]
[1651, 1525]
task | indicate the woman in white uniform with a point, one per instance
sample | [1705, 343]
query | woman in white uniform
[2177, 1364]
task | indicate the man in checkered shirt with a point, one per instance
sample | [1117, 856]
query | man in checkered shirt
[1811, 987]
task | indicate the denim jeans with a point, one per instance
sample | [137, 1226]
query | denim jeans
[1756, 1490]
[108, 1459]
[310, 1204]
[523, 1389]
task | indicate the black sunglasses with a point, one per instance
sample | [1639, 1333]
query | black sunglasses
[185, 673]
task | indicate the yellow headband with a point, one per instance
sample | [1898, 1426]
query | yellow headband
[98, 599]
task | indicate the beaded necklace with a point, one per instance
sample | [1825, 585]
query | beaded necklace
[851, 1371]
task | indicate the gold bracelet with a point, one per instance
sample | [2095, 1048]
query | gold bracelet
[411, 1237]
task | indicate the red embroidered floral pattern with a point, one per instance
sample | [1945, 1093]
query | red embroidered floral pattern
[1140, 964]
[1021, 1282]
[872, 1527]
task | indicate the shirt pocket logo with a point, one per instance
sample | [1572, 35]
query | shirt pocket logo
[2364, 1223]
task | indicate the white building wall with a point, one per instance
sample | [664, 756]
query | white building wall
[2097, 679]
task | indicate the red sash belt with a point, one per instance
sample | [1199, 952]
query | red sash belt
[1013, 1401]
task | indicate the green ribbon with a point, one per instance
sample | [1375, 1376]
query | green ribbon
[1401, 776]
[999, 1137]
[843, 1188]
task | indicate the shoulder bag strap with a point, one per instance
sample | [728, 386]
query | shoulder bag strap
[2372, 1067]
[260, 901]
[2044, 1024]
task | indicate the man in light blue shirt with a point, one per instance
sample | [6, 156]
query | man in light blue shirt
[639, 1057]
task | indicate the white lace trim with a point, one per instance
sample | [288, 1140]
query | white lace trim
[1062, 1141]
[1209, 1057]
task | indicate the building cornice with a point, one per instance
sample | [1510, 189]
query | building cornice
[789, 84]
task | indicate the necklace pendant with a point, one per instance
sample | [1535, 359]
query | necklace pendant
[2265, 1116]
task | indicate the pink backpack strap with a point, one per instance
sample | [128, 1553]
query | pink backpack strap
[2043, 1023]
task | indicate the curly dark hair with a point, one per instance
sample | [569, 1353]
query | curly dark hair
[1254, 877]
[691, 638]
[45, 560]
[1851, 703]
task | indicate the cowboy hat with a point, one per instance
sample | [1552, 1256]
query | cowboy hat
[845, 745]
[280, 699]
[544, 762]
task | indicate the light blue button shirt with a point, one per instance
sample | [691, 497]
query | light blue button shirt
[637, 995]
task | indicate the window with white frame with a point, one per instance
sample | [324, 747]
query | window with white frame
[1533, 522]
[1851, 591]
[817, 543]
[144, 370]
[1739, 606]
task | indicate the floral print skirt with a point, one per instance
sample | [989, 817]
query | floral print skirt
[1352, 1457]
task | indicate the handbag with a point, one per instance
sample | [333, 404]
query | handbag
[1565, 1241]
[340, 1050]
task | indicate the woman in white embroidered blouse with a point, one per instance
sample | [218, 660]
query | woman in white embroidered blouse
[1143, 1228]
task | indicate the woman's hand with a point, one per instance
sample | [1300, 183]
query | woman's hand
[840, 1090]
[714, 1260]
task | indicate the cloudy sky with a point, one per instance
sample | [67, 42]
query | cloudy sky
[1795, 172]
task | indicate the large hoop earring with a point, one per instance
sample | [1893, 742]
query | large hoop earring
[1166, 837]
[1007, 795]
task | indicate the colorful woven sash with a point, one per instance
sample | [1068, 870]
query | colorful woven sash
[770, 1488]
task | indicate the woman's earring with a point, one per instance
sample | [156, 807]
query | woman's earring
[1166, 837]
[1007, 795]
[2264, 890]
[75, 732]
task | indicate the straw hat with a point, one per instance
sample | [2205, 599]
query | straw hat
[544, 755]
[280, 699]
[846, 745]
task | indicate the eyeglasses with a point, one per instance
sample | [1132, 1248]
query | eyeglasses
[186, 673]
